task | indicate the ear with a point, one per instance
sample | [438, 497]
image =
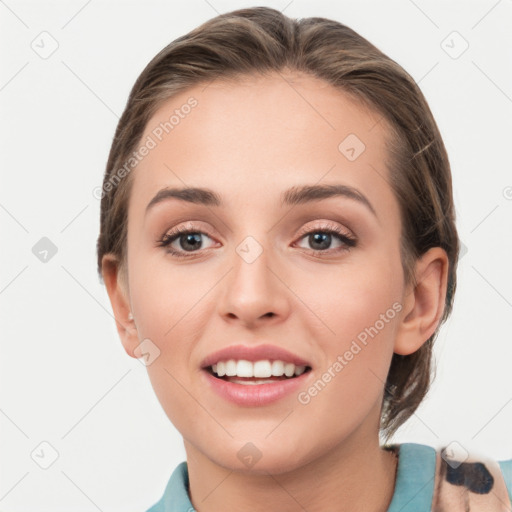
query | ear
[423, 302]
[117, 288]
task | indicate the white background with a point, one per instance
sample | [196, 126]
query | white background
[64, 377]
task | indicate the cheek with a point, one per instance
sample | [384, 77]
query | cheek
[172, 305]
[166, 297]
[170, 309]
[348, 298]
[357, 351]
[358, 306]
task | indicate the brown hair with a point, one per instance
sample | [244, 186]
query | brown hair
[260, 40]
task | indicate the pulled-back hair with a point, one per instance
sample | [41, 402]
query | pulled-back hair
[262, 40]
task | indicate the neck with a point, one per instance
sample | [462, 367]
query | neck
[351, 476]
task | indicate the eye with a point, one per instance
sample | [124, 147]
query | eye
[187, 240]
[320, 239]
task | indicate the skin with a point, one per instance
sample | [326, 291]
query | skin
[249, 141]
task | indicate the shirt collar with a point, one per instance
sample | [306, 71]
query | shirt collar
[413, 492]
[414, 487]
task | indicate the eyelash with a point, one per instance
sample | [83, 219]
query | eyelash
[330, 229]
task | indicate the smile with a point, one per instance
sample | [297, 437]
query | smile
[258, 370]
[257, 384]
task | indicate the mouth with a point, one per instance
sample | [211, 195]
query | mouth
[255, 375]
[260, 372]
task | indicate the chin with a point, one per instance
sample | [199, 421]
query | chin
[258, 458]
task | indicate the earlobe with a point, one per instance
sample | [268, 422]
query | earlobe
[423, 302]
[118, 294]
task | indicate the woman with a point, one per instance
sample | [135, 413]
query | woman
[278, 243]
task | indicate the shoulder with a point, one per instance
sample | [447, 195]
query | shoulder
[449, 479]
[446, 479]
[466, 481]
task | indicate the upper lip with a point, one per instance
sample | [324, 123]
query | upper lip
[253, 353]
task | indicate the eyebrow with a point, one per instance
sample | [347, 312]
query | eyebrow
[293, 196]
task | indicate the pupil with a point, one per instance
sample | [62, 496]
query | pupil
[190, 237]
[321, 237]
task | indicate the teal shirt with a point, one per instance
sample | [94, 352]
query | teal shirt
[414, 488]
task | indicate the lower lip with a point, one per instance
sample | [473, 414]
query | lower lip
[255, 394]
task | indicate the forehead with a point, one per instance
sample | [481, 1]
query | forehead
[261, 134]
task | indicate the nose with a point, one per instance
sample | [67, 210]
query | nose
[254, 291]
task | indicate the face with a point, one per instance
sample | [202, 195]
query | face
[266, 266]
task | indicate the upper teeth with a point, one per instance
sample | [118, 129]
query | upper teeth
[259, 369]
